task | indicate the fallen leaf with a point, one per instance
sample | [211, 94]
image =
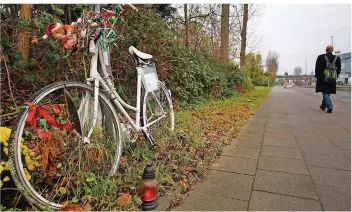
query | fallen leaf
[192, 149]
[34, 41]
[184, 182]
[87, 207]
[215, 164]
[124, 199]
[49, 148]
[71, 208]
[189, 168]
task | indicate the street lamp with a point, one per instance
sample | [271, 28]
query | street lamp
[332, 40]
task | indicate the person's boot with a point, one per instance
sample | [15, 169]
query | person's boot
[321, 107]
[329, 110]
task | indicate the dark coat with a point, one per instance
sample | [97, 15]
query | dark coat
[320, 66]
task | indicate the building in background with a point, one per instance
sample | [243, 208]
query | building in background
[345, 76]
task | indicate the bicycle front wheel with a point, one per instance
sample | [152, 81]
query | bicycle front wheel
[157, 108]
[54, 170]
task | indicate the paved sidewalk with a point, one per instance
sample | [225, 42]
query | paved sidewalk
[290, 156]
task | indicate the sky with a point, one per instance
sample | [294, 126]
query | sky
[302, 31]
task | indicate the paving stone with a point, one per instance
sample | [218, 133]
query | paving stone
[250, 136]
[321, 120]
[280, 143]
[264, 201]
[347, 153]
[309, 136]
[279, 136]
[285, 183]
[277, 116]
[330, 177]
[278, 121]
[303, 127]
[257, 120]
[281, 128]
[343, 145]
[208, 202]
[339, 138]
[335, 198]
[298, 119]
[250, 143]
[283, 165]
[240, 151]
[231, 185]
[326, 161]
[254, 130]
[237, 165]
[322, 147]
[281, 152]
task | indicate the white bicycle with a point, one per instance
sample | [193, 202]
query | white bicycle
[71, 130]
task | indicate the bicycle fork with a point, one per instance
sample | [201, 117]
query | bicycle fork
[88, 113]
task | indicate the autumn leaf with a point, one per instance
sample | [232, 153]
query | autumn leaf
[34, 41]
[192, 149]
[49, 148]
[184, 182]
[189, 168]
[215, 164]
[87, 207]
[124, 199]
[71, 208]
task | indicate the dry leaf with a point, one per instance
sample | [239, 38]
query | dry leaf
[189, 168]
[192, 149]
[124, 199]
[71, 208]
[51, 148]
[34, 41]
[215, 164]
[87, 207]
[184, 182]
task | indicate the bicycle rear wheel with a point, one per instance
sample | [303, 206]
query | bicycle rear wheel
[158, 105]
[51, 171]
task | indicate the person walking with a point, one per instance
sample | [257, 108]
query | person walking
[327, 70]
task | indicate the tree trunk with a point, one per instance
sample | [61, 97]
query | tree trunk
[244, 36]
[224, 46]
[186, 24]
[23, 35]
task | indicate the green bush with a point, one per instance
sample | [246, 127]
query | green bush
[192, 76]
[197, 77]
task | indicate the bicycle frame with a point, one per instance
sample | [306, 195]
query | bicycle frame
[103, 80]
[95, 78]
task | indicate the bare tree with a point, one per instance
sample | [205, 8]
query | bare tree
[225, 32]
[204, 28]
[186, 24]
[272, 61]
[297, 71]
[253, 38]
[23, 37]
[244, 35]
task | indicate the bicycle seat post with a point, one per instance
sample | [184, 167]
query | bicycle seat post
[97, 7]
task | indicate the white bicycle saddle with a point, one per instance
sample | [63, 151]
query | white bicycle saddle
[142, 55]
